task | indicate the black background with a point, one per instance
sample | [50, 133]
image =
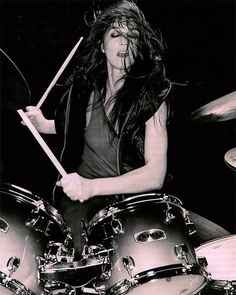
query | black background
[38, 36]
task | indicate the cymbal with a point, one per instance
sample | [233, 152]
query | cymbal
[221, 109]
[230, 158]
[15, 91]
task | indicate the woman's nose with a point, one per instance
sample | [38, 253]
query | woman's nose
[123, 40]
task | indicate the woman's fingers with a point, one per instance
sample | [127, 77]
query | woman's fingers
[74, 186]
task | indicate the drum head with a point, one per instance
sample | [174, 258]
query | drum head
[221, 257]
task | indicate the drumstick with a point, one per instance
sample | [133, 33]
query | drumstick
[42, 143]
[42, 99]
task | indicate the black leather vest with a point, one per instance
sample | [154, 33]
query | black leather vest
[70, 121]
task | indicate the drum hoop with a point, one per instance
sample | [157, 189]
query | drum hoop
[114, 208]
[160, 196]
[221, 284]
[27, 197]
[156, 273]
[18, 286]
[58, 284]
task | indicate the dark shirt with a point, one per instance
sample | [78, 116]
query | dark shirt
[100, 144]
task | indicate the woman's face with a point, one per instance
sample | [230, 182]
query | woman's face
[120, 46]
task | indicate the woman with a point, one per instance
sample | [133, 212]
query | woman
[112, 117]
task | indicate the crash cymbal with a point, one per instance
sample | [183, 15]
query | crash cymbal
[15, 92]
[230, 158]
[221, 109]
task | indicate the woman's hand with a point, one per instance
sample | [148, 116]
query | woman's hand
[37, 118]
[76, 187]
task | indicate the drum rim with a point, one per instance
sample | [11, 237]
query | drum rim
[116, 208]
[35, 201]
[13, 282]
[151, 274]
[148, 194]
[220, 284]
[58, 284]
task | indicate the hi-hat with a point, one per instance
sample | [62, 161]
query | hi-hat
[230, 158]
[221, 109]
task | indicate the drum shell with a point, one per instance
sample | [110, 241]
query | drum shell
[31, 224]
[147, 216]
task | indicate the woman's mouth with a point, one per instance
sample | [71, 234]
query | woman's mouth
[123, 53]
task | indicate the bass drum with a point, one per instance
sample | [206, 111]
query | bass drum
[152, 252]
[27, 224]
[221, 258]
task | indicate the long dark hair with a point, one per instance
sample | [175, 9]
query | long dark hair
[145, 80]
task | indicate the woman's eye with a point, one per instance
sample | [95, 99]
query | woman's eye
[115, 35]
[132, 36]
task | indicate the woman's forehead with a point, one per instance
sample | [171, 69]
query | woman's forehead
[123, 26]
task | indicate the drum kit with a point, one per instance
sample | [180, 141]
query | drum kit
[141, 244]
[137, 245]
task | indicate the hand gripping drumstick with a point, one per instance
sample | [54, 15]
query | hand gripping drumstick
[42, 143]
[42, 99]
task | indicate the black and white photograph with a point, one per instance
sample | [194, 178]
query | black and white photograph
[118, 147]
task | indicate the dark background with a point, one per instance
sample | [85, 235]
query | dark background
[38, 36]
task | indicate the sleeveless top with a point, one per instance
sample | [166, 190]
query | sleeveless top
[100, 144]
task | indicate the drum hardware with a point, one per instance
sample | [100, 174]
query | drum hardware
[116, 226]
[191, 228]
[12, 265]
[203, 262]
[150, 235]
[169, 215]
[4, 226]
[112, 228]
[129, 264]
[98, 288]
[84, 231]
[170, 199]
[13, 285]
[35, 221]
[98, 254]
[95, 252]
[58, 252]
[76, 273]
[190, 225]
[58, 288]
[228, 287]
[57, 266]
[181, 252]
[122, 287]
